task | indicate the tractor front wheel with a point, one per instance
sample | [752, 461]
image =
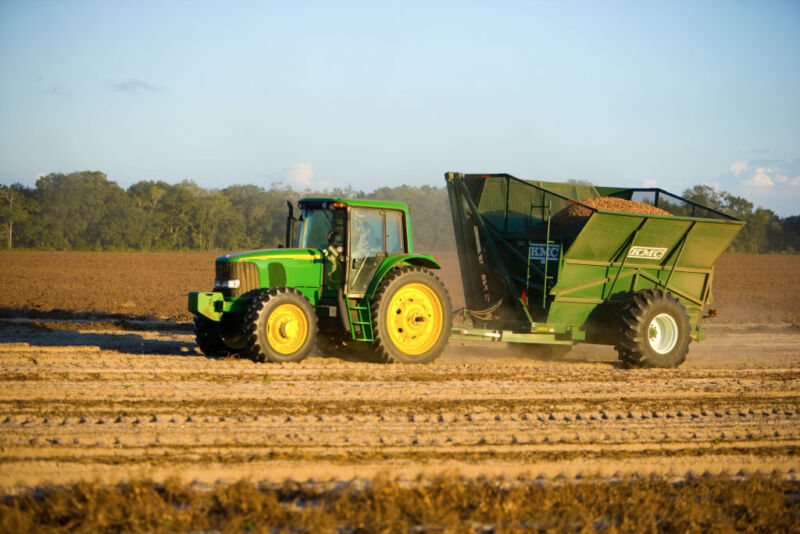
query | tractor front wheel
[280, 326]
[411, 316]
[653, 331]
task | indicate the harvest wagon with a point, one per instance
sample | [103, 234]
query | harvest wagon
[546, 265]
[554, 264]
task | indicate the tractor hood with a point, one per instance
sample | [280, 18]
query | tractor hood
[263, 269]
[275, 254]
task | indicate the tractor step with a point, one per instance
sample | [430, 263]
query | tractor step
[360, 319]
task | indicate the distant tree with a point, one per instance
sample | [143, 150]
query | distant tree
[788, 239]
[174, 217]
[263, 213]
[706, 195]
[213, 223]
[762, 227]
[14, 208]
[84, 210]
[146, 198]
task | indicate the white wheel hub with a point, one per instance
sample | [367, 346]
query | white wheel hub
[663, 333]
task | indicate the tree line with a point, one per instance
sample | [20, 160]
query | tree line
[87, 211]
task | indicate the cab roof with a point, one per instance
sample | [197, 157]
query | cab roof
[357, 203]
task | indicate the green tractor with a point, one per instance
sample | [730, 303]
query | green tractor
[353, 285]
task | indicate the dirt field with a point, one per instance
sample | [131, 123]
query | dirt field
[115, 400]
[748, 288]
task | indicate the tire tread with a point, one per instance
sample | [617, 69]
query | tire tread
[631, 346]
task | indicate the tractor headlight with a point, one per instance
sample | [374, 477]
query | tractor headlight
[226, 284]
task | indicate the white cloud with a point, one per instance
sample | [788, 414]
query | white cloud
[761, 178]
[648, 182]
[301, 174]
[768, 182]
[738, 167]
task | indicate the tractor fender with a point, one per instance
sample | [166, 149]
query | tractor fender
[423, 260]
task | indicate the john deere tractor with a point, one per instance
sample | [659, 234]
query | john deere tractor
[353, 285]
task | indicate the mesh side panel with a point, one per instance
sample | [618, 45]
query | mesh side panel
[516, 207]
[672, 204]
[246, 272]
[493, 196]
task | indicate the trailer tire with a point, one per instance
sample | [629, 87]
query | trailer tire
[280, 326]
[411, 316]
[653, 331]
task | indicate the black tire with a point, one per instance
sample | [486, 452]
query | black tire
[206, 333]
[406, 331]
[231, 332]
[280, 326]
[653, 330]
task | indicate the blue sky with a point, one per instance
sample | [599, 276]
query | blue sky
[368, 94]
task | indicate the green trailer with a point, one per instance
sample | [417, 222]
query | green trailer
[638, 281]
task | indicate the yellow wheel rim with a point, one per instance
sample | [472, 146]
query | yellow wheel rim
[414, 319]
[287, 329]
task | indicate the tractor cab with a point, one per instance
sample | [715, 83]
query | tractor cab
[354, 237]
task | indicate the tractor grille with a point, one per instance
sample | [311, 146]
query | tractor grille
[244, 271]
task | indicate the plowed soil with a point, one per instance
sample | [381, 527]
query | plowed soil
[91, 391]
[748, 288]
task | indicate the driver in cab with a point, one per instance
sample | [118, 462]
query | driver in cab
[366, 240]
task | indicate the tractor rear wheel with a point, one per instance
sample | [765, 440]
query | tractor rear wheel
[411, 316]
[280, 326]
[653, 330]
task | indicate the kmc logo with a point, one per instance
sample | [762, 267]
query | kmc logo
[541, 251]
[647, 253]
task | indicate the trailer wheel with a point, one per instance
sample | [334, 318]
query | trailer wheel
[653, 331]
[280, 326]
[411, 317]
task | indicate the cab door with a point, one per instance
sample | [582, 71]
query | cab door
[374, 234]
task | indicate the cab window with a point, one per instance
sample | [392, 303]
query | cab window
[394, 232]
[322, 227]
[366, 231]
